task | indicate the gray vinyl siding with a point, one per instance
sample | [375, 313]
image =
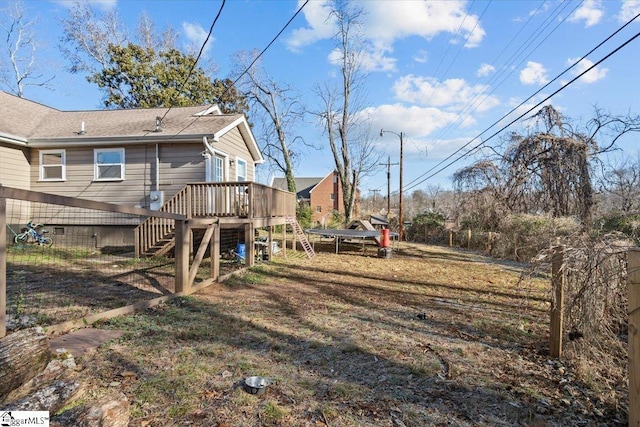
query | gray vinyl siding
[14, 168]
[14, 165]
[233, 144]
[179, 164]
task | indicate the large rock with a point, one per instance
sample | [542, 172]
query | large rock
[110, 411]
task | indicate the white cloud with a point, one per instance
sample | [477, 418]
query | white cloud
[424, 19]
[451, 93]
[485, 70]
[418, 122]
[317, 15]
[384, 25]
[196, 36]
[596, 73]
[629, 9]
[421, 56]
[590, 12]
[534, 73]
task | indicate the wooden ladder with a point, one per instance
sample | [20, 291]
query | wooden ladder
[300, 236]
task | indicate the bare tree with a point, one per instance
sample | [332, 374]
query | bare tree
[19, 68]
[348, 136]
[620, 183]
[88, 35]
[275, 110]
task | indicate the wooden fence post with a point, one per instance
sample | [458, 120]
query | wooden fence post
[3, 267]
[469, 239]
[450, 238]
[557, 303]
[633, 283]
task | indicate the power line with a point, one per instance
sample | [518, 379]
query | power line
[193, 66]
[522, 115]
[410, 185]
[473, 104]
[252, 63]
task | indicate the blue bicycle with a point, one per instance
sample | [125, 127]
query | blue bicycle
[33, 233]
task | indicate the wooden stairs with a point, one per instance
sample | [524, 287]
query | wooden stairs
[300, 236]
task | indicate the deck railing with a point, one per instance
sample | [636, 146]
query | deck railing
[216, 199]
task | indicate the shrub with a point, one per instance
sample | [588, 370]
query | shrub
[629, 225]
[303, 214]
[522, 236]
[426, 227]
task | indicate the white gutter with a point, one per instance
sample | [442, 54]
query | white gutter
[208, 146]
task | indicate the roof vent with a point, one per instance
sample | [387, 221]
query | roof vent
[158, 124]
[81, 132]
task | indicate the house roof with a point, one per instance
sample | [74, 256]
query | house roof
[33, 124]
[303, 185]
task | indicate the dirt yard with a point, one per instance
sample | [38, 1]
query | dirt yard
[430, 337]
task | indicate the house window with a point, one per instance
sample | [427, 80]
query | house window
[109, 164]
[218, 168]
[241, 170]
[332, 196]
[53, 165]
[318, 208]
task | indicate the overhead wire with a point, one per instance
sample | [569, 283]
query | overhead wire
[473, 104]
[483, 142]
[273, 40]
[193, 66]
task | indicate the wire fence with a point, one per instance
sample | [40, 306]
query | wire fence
[65, 263]
[63, 259]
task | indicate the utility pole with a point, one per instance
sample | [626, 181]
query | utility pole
[388, 164]
[375, 192]
[400, 218]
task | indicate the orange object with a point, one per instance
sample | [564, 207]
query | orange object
[384, 238]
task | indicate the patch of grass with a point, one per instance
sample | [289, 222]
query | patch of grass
[273, 411]
[341, 336]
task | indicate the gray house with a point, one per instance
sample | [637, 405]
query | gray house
[138, 157]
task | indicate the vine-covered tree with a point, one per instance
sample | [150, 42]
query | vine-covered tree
[546, 171]
[137, 77]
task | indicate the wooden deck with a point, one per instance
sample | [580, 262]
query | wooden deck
[234, 204]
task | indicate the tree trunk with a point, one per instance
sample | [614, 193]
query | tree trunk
[23, 355]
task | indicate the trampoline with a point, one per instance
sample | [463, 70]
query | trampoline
[340, 234]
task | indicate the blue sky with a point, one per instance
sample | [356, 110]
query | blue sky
[440, 72]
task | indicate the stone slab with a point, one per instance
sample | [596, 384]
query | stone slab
[79, 341]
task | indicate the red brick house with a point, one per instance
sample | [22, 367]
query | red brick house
[323, 194]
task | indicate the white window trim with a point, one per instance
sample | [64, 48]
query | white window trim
[246, 168]
[210, 164]
[63, 164]
[96, 176]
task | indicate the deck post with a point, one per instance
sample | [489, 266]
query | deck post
[3, 266]
[270, 243]
[633, 279]
[249, 243]
[183, 243]
[214, 250]
[284, 240]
